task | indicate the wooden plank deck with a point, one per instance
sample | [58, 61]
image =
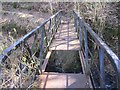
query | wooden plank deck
[65, 39]
[64, 80]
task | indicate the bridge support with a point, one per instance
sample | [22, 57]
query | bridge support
[102, 72]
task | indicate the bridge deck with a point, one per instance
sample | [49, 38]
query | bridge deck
[64, 80]
[65, 39]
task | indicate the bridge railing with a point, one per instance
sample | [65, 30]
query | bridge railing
[104, 54]
[21, 62]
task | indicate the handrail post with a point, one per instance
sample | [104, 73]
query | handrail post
[86, 44]
[60, 17]
[76, 24]
[102, 72]
[46, 39]
[55, 24]
[41, 48]
[74, 21]
[80, 34]
[50, 25]
[118, 81]
[33, 45]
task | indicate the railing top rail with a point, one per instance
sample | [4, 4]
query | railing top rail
[99, 41]
[18, 42]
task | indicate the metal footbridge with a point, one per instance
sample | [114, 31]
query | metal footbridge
[27, 58]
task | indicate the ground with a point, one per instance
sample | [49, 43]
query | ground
[17, 19]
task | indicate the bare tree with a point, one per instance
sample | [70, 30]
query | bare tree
[51, 7]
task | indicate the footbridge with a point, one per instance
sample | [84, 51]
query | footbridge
[62, 52]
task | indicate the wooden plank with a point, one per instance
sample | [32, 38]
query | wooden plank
[85, 68]
[46, 60]
[65, 38]
[63, 80]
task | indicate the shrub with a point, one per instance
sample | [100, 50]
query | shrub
[13, 29]
[15, 5]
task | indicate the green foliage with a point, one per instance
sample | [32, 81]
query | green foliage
[15, 5]
[28, 7]
[110, 32]
[19, 66]
[13, 29]
[10, 32]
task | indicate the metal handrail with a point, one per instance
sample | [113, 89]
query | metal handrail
[24, 38]
[103, 48]
[22, 44]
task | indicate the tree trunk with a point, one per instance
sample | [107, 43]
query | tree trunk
[51, 8]
[75, 5]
